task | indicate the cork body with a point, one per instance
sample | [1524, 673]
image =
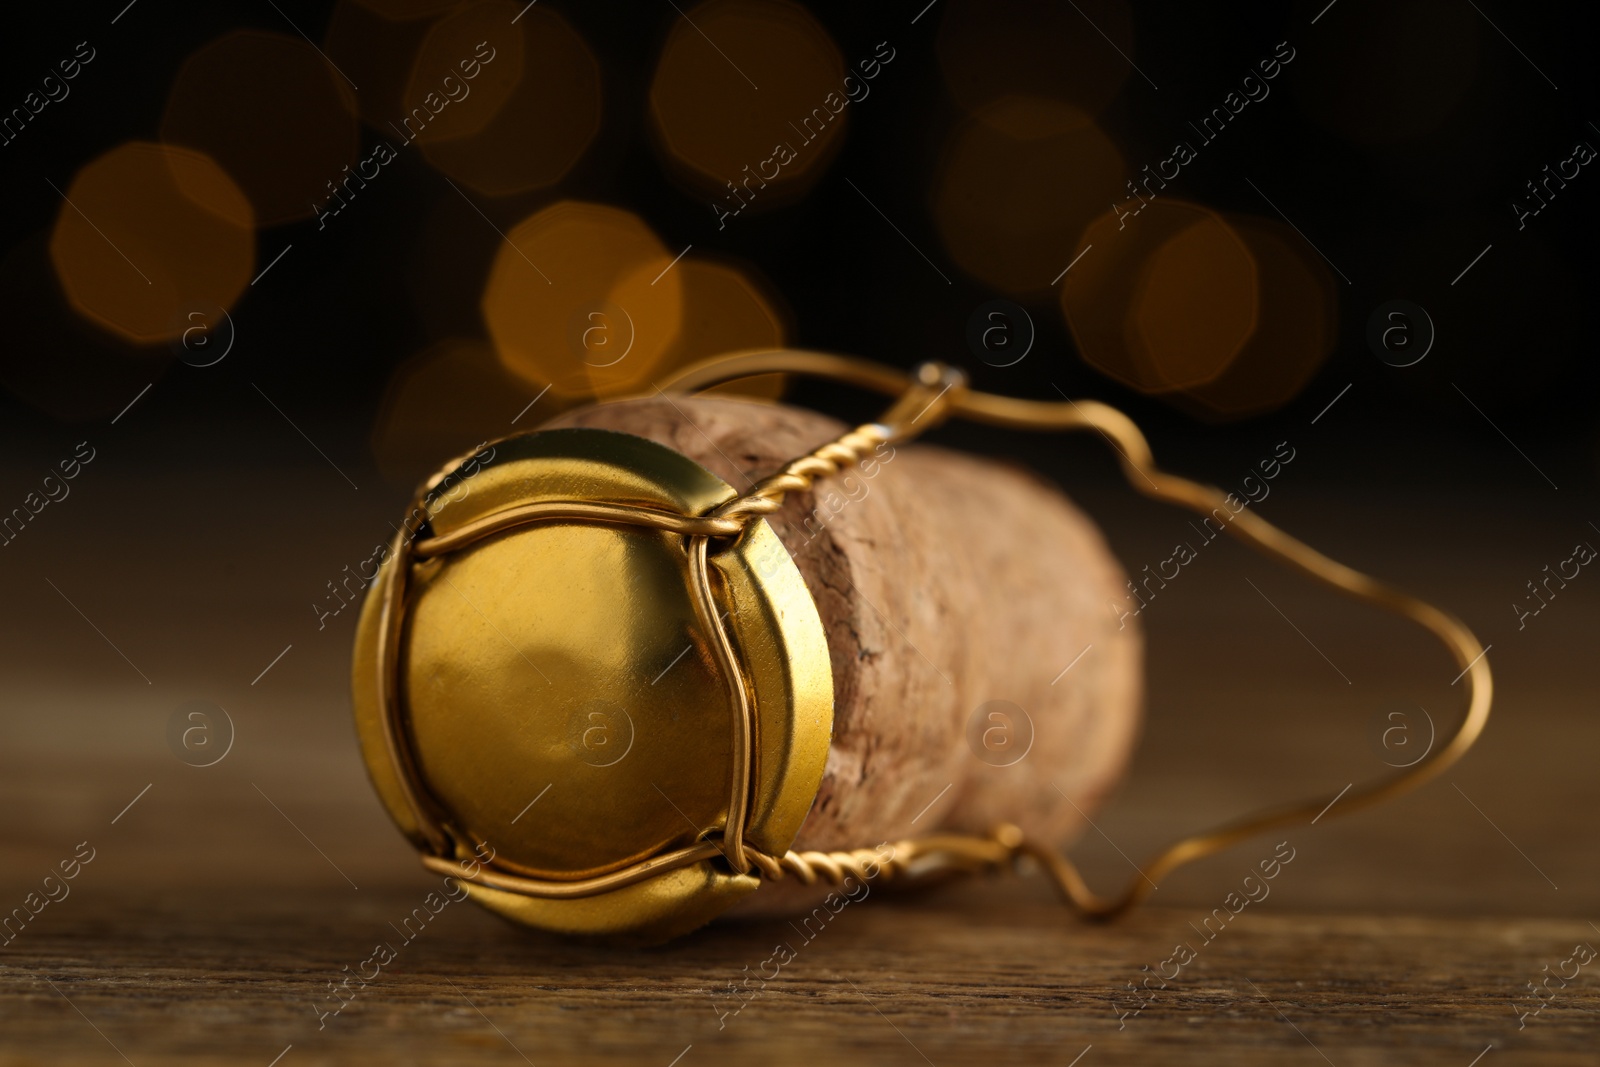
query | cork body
[955, 592]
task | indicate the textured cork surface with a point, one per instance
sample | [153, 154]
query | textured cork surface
[956, 593]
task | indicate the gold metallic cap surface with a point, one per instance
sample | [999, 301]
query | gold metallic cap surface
[559, 700]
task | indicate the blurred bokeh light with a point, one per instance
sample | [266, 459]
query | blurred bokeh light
[466, 68]
[272, 113]
[1224, 316]
[376, 51]
[547, 118]
[1019, 183]
[726, 310]
[460, 391]
[55, 360]
[443, 401]
[991, 49]
[149, 233]
[736, 80]
[571, 301]
[1296, 326]
[1105, 296]
[1195, 304]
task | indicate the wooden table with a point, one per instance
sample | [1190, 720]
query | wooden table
[222, 901]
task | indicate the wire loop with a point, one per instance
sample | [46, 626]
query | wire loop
[923, 400]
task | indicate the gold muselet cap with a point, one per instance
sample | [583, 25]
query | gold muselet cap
[584, 695]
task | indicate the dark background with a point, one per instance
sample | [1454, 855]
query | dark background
[1399, 220]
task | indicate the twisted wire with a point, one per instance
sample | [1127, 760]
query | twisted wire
[909, 857]
[929, 397]
[798, 475]
[833, 867]
[933, 394]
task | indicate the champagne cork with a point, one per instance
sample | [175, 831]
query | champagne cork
[980, 672]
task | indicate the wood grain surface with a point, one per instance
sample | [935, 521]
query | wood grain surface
[222, 901]
[972, 976]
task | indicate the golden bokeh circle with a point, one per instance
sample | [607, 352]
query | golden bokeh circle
[736, 80]
[271, 112]
[56, 360]
[725, 310]
[1018, 184]
[1137, 299]
[444, 401]
[570, 303]
[1296, 330]
[466, 68]
[1195, 304]
[148, 232]
[546, 121]
[375, 51]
